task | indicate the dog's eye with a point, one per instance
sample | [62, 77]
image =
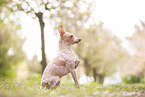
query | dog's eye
[71, 35]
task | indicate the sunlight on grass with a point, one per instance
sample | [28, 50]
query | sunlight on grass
[31, 87]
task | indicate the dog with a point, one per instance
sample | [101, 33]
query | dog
[64, 63]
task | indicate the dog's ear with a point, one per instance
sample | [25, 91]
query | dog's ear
[61, 30]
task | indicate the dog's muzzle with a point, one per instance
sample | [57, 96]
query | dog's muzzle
[78, 40]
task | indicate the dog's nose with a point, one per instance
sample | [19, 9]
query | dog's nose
[79, 39]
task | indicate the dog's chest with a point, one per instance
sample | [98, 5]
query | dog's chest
[69, 57]
[66, 54]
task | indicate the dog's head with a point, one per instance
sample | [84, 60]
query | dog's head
[68, 37]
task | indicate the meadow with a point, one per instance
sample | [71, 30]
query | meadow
[113, 45]
[32, 88]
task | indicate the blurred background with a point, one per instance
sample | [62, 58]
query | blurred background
[112, 49]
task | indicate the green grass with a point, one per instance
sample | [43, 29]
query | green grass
[32, 88]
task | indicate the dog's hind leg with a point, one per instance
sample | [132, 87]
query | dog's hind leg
[51, 82]
[55, 82]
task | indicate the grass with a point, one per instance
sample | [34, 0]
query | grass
[32, 88]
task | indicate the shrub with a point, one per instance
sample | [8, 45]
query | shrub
[131, 79]
[142, 80]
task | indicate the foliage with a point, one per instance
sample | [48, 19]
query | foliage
[10, 48]
[142, 80]
[134, 66]
[3, 3]
[136, 63]
[131, 79]
[102, 51]
[31, 87]
[34, 65]
[74, 18]
[138, 38]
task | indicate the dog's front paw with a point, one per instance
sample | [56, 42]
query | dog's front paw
[77, 86]
[77, 63]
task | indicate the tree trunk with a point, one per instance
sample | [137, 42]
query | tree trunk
[101, 78]
[87, 67]
[94, 74]
[43, 62]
